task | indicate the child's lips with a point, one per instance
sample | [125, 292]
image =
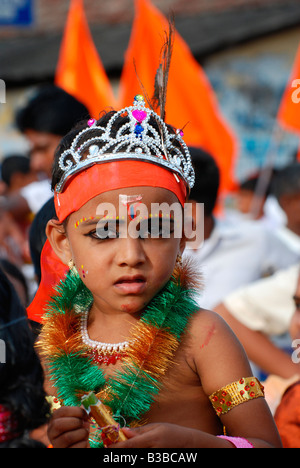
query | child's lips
[131, 284]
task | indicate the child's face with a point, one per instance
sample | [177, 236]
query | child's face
[123, 274]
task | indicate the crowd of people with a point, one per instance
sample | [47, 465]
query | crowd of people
[249, 269]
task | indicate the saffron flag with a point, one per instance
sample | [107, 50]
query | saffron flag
[191, 102]
[79, 70]
[289, 110]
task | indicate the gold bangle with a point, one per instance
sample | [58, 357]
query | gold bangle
[245, 389]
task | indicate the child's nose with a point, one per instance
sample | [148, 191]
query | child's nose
[130, 252]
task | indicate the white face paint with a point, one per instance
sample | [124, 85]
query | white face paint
[131, 202]
[126, 199]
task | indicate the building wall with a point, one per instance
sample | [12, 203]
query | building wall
[50, 15]
[248, 79]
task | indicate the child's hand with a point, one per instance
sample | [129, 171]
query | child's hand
[69, 428]
[157, 435]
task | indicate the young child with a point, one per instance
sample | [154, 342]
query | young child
[123, 323]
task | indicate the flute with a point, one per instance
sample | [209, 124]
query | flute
[111, 431]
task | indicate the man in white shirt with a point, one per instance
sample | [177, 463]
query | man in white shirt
[260, 313]
[233, 254]
[238, 255]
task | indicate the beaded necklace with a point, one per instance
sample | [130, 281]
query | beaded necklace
[130, 391]
[102, 353]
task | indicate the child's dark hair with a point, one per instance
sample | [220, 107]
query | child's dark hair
[21, 375]
[207, 179]
[37, 235]
[94, 132]
[12, 164]
[15, 272]
[286, 180]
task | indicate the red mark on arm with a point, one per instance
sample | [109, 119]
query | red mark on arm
[208, 336]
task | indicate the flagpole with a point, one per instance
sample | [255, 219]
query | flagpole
[267, 171]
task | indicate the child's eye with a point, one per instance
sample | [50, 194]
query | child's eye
[156, 228]
[103, 232]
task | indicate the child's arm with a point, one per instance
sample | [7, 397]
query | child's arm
[223, 361]
[219, 360]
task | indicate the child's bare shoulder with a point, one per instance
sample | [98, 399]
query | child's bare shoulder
[207, 326]
[218, 356]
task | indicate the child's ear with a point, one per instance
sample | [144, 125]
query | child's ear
[59, 241]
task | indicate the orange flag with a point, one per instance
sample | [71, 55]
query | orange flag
[191, 102]
[289, 110]
[79, 70]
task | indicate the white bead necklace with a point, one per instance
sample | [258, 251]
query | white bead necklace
[107, 353]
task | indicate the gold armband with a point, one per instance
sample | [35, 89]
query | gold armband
[248, 388]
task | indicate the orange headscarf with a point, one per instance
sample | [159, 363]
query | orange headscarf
[104, 177]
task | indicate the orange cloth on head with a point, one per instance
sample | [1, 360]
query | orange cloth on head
[53, 270]
[105, 177]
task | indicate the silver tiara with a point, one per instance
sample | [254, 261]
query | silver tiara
[135, 139]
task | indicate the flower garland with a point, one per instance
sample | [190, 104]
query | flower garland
[130, 391]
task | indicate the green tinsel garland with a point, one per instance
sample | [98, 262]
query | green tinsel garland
[133, 388]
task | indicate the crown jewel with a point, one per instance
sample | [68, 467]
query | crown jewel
[142, 136]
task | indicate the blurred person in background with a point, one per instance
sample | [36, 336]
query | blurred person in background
[48, 115]
[246, 203]
[18, 280]
[13, 244]
[260, 313]
[234, 253]
[16, 174]
[245, 193]
[23, 404]
[286, 189]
